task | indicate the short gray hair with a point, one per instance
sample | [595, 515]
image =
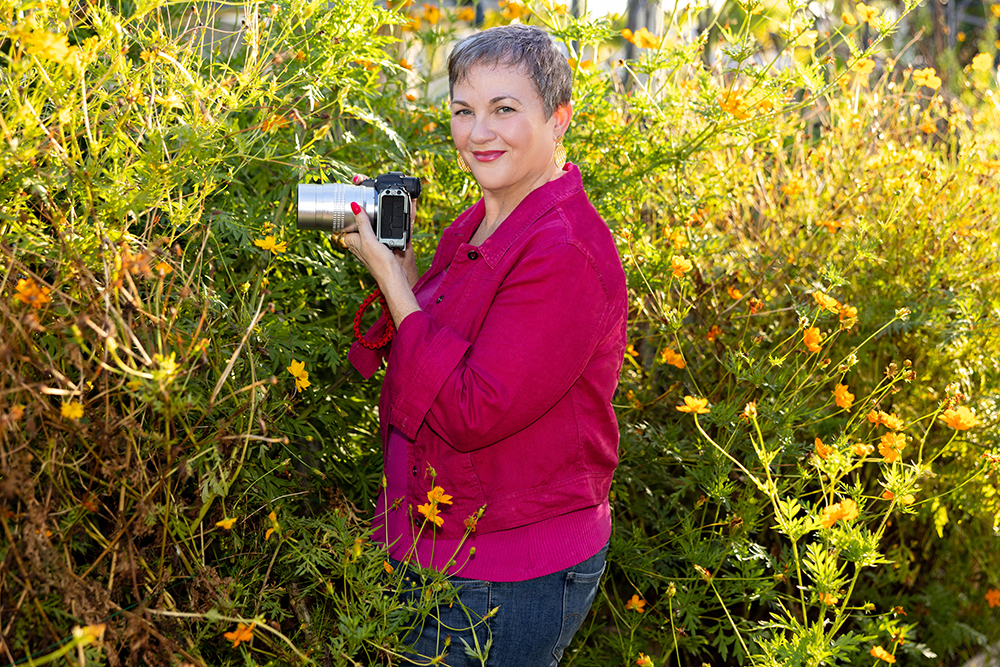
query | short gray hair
[516, 45]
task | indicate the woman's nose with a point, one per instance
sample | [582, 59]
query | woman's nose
[481, 132]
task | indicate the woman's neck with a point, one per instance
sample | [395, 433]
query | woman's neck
[500, 205]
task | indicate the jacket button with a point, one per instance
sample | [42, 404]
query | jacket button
[473, 254]
[414, 471]
[440, 298]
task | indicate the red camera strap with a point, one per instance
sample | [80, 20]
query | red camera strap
[390, 328]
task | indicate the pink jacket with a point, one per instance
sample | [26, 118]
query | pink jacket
[504, 384]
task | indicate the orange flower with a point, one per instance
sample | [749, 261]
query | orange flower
[695, 405]
[734, 293]
[861, 449]
[732, 102]
[844, 398]
[993, 598]
[466, 14]
[437, 495]
[960, 419]
[831, 225]
[512, 10]
[822, 450]
[714, 332]
[848, 312]
[636, 604]
[927, 77]
[891, 421]
[812, 339]
[846, 509]
[826, 302]
[431, 14]
[32, 294]
[848, 18]
[644, 660]
[273, 518]
[430, 512]
[828, 599]
[680, 265]
[866, 13]
[882, 654]
[891, 446]
[242, 633]
[672, 358]
[387, 567]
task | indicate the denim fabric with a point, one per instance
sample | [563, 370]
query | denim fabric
[533, 625]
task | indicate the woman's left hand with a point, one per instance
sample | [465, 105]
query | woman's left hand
[394, 270]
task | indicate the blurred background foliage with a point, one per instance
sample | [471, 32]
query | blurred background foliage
[804, 199]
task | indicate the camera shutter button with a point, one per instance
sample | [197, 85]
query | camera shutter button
[473, 254]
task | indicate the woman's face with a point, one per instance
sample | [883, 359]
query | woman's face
[498, 125]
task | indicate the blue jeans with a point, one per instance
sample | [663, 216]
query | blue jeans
[534, 622]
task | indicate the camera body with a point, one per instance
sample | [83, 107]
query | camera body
[387, 199]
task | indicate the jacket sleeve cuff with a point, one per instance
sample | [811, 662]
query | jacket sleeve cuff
[433, 353]
[366, 361]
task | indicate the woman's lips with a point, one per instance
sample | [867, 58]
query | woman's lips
[487, 156]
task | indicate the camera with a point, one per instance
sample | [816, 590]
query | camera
[387, 199]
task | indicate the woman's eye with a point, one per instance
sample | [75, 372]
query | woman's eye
[505, 110]
[461, 112]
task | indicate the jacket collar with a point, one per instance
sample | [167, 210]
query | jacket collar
[538, 202]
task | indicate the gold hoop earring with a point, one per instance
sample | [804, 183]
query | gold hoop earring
[462, 165]
[559, 155]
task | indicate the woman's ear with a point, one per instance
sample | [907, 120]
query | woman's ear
[563, 115]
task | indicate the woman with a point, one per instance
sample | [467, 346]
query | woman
[498, 433]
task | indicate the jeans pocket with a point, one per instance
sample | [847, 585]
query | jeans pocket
[579, 590]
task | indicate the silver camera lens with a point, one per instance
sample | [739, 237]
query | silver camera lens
[327, 207]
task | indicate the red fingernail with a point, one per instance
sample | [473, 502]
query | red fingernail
[355, 207]
[357, 178]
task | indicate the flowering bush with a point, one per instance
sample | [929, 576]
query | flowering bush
[808, 406]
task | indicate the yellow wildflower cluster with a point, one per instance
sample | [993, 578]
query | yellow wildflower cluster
[642, 38]
[31, 293]
[846, 509]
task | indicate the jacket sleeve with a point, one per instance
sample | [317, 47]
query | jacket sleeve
[368, 361]
[537, 337]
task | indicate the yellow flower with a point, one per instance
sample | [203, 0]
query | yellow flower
[812, 337]
[960, 419]
[828, 599]
[644, 660]
[826, 302]
[865, 12]
[431, 14]
[273, 518]
[807, 39]
[672, 358]
[466, 14]
[843, 397]
[636, 604]
[32, 294]
[891, 446]
[864, 67]
[794, 187]
[927, 77]
[680, 265]
[848, 18]
[822, 450]
[995, 9]
[72, 410]
[928, 127]
[882, 654]
[831, 225]
[226, 523]
[270, 243]
[387, 567]
[163, 269]
[298, 371]
[242, 633]
[47, 45]
[733, 103]
[695, 405]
